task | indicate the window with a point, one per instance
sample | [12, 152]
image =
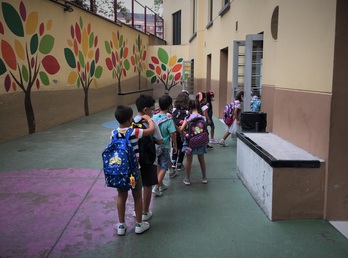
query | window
[274, 23]
[177, 28]
[210, 14]
[225, 7]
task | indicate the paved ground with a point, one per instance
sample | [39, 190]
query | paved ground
[53, 203]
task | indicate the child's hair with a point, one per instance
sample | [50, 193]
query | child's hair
[200, 96]
[165, 101]
[123, 113]
[193, 105]
[210, 95]
[186, 92]
[182, 101]
[240, 95]
[144, 101]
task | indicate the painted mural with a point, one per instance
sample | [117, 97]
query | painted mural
[26, 64]
[117, 61]
[138, 59]
[82, 56]
[165, 70]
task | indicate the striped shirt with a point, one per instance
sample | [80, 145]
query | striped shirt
[136, 134]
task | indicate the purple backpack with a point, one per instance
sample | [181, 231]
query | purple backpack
[197, 135]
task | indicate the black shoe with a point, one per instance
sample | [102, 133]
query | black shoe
[210, 147]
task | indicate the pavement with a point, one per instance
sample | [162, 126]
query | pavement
[53, 203]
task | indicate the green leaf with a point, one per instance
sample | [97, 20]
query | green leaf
[91, 40]
[46, 44]
[121, 53]
[69, 57]
[120, 43]
[180, 60]
[44, 78]
[149, 73]
[25, 73]
[78, 83]
[126, 64]
[81, 23]
[163, 55]
[171, 77]
[153, 80]
[92, 68]
[12, 19]
[98, 72]
[164, 67]
[2, 67]
[81, 59]
[107, 47]
[34, 43]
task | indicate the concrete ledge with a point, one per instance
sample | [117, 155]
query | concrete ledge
[134, 92]
[285, 180]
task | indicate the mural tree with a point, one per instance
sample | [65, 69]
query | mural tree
[26, 62]
[165, 70]
[82, 55]
[117, 62]
[138, 58]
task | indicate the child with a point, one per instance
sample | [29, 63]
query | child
[200, 151]
[210, 99]
[124, 116]
[168, 130]
[180, 112]
[146, 105]
[201, 98]
[235, 127]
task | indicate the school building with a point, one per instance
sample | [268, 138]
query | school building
[57, 68]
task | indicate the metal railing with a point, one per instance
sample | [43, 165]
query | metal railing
[129, 12]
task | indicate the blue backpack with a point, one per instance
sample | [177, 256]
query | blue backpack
[119, 161]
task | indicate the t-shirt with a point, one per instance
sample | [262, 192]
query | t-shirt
[136, 134]
[167, 127]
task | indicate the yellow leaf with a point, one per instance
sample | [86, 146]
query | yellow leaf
[172, 61]
[32, 22]
[70, 43]
[72, 77]
[84, 42]
[90, 54]
[114, 40]
[95, 82]
[49, 24]
[19, 49]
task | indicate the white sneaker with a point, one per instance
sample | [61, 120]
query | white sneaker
[213, 141]
[156, 191]
[163, 187]
[146, 215]
[223, 143]
[141, 227]
[173, 174]
[121, 229]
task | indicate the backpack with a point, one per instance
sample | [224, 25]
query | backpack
[147, 149]
[228, 114]
[179, 116]
[197, 135]
[119, 161]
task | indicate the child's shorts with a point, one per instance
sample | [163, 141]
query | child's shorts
[199, 150]
[164, 159]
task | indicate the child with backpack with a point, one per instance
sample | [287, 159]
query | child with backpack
[201, 99]
[167, 128]
[210, 99]
[180, 112]
[120, 165]
[232, 118]
[197, 138]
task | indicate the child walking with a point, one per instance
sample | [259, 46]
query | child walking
[180, 112]
[210, 99]
[235, 127]
[199, 151]
[168, 130]
[124, 116]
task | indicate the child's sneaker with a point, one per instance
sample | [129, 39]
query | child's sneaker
[121, 229]
[141, 227]
[210, 147]
[180, 167]
[186, 181]
[163, 187]
[156, 191]
[204, 181]
[223, 143]
[213, 141]
[146, 215]
[173, 174]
